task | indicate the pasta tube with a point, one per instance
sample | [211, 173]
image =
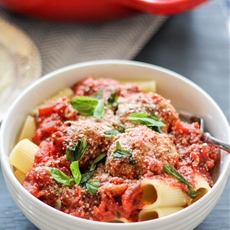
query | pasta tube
[22, 155]
[19, 175]
[155, 213]
[68, 92]
[157, 193]
[118, 220]
[145, 86]
[201, 186]
[28, 129]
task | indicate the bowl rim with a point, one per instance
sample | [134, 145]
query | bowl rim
[83, 222]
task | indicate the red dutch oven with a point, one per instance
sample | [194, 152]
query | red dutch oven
[96, 10]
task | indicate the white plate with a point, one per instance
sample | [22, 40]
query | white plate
[20, 64]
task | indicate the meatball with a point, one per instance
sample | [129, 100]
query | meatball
[149, 151]
[150, 103]
[93, 132]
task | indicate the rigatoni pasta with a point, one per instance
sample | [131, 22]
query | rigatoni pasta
[118, 220]
[112, 152]
[19, 175]
[157, 212]
[159, 193]
[68, 92]
[28, 128]
[22, 156]
[145, 86]
[202, 186]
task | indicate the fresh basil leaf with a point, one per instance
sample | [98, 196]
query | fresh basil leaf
[170, 170]
[157, 129]
[76, 151]
[86, 176]
[146, 119]
[120, 127]
[59, 176]
[78, 178]
[74, 167]
[99, 110]
[98, 94]
[99, 158]
[112, 100]
[88, 106]
[121, 153]
[92, 186]
[111, 132]
[192, 193]
[84, 105]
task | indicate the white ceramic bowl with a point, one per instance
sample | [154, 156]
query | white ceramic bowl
[183, 94]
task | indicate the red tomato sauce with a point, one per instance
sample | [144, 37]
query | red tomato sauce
[59, 126]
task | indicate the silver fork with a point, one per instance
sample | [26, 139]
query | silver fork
[206, 137]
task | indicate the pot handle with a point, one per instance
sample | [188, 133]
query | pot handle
[163, 7]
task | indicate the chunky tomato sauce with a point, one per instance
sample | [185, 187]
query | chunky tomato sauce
[141, 153]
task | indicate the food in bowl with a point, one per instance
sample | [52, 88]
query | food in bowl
[108, 151]
[183, 94]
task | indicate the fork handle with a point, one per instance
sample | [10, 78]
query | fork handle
[206, 137]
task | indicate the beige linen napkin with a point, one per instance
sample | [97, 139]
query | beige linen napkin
[62, 44]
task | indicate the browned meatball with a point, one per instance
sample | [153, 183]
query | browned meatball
[150, 103]
[93, 132]
[149, 151]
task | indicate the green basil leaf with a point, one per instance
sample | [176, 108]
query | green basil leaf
[59, 176]
[98, 94]
[121, 153]
[99, 158]
[99, 110]
[157, 129]
[118, 146]
[88, 106]
[111, 132]
[84, 105]
[112, 100]
[86, 176]
[74, 167]
[76, 151]
[120, 127]
[92, 186]
[170, 170]
[146, 119]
